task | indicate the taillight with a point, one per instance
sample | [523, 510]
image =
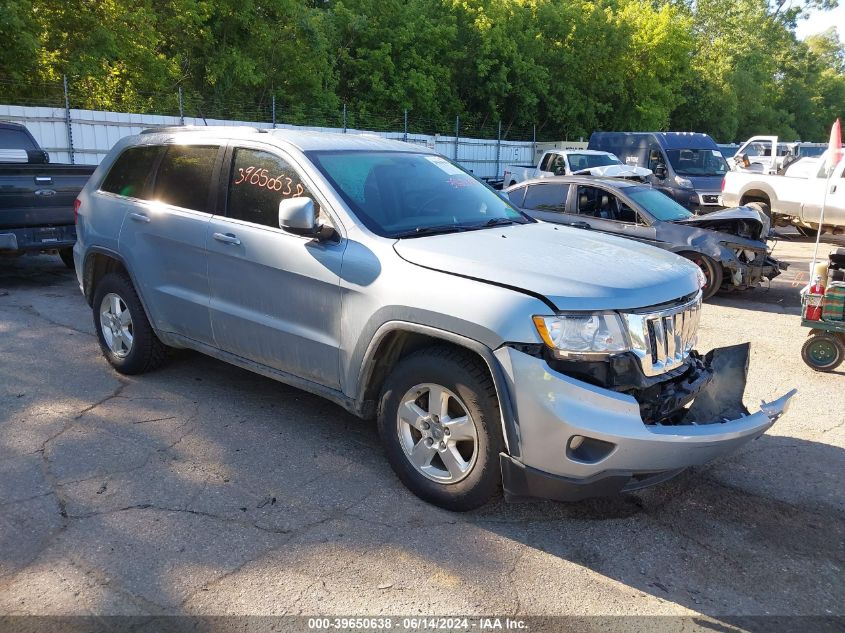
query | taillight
[723, 185]
[76, 204]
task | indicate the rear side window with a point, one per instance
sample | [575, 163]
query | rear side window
[128, 175]
[259, 181]
[184, 176]
[15, 139]
[546, 197]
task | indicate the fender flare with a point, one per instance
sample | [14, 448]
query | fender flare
[509, 421]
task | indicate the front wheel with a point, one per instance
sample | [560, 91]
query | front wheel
[712, 273]
[823, 351]
[440, 425]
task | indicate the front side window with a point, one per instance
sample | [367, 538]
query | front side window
[184, 176]
[546, 197]
[658, 204]
[408, 194]
[655, 158]
[258, 182]
[129, 173]
[603, 205]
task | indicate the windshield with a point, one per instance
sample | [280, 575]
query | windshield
[399, 194]
[697, 162]
[577, 162]
[658, 204]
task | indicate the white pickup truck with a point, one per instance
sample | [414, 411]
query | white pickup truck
[795, 198]
[566, 162]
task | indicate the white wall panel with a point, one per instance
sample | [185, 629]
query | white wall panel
[95, 132]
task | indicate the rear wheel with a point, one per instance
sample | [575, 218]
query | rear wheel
[823, 351]
[440, 425]
[66, 255]
[712, 273]
[125, 335]
[762, 207]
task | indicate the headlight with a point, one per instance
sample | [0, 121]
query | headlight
[581, 335]
[686, 183]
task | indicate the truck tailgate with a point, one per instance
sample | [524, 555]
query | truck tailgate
[40, 195]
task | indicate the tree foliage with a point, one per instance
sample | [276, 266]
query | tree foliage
[731, 68]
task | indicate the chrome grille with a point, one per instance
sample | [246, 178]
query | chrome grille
[662, 339]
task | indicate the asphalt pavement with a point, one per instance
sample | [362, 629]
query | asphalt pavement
[205, 489]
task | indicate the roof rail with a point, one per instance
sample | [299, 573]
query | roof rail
[197, 128]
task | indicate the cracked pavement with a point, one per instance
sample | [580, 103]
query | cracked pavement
[205, 489]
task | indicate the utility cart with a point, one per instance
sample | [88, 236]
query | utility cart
[823, 311]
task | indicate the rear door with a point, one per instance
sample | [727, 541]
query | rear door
[547, 201]
[163, 237]
[275, 296]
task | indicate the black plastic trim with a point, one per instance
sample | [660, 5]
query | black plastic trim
[522, 483]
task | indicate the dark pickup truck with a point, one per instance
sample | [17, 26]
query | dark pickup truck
[36, 198]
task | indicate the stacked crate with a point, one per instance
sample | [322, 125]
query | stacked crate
[833, 305]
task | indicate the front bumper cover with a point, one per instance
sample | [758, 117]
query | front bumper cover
[617, 451]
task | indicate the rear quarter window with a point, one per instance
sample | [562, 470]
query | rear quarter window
[15, 139]
[128, 176]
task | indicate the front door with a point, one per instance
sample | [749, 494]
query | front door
[275, 297]
[602, 211]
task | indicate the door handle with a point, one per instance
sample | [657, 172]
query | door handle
[580, 225]
[139, 217]
[226, 238]
[833, 189]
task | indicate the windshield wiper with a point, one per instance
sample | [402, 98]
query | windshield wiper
[500, 222]
[432, 230]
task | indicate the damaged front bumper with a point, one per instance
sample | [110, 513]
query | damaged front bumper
[577, 440]
[749, 268]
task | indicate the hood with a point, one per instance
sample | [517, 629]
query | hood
[574, 269]
[616, 171]
[705, 183]
[743, 222]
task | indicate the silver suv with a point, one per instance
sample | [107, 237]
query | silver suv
[491, 348]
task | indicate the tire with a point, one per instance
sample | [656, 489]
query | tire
[762, 207]
[66, 255]
[469, 394]
[712, 271]
[823, 351]
[136, 349]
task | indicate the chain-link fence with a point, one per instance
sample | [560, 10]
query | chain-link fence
[50, 109]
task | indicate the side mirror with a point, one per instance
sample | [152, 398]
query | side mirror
[660, 170]
[298, 216]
